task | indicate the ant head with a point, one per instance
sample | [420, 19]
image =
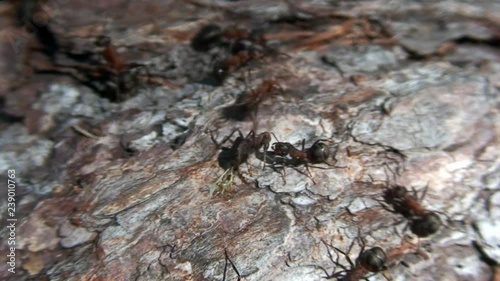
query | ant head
[373, 259]
[426, 225]
[266, 139]
[320, 152]
[207, 36]
[281, 148]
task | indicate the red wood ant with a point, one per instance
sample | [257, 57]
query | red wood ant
[423, 222]
[371, 260]
[243, 45]
[109, 53]
[242, 39]
[249, 101]
[223, 67]
[265, 90]
[237, 39]
[316, 154]
[231, 158]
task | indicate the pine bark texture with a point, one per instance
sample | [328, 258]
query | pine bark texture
[119, 190]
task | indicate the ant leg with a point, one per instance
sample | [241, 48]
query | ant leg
[332, 165]
[232, 265]
[336, 261]
[265, 157]
[250, 134]
[214, 140]
[224, 140]
[305, 163]
[225, 266]
[277, 140]
[361, 242]
[283, 175]
[346, 255]
[303, 144]
[385, 206]
[309, 172]
[230, 135]
[282, 172]
[423, 193]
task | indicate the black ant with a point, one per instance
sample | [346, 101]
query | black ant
[423, 222]
[372, 260]
[249, 101]
[231, 158]
[316, 154]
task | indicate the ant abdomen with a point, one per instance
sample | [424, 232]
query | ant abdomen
[319, 153]
[373, 259]
[426, 225]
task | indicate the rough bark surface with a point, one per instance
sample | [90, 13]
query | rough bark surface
[407, 92]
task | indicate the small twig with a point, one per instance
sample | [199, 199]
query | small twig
[329, 34]
[84, 132]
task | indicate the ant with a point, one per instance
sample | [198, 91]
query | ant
[241, 40]
[372, 260]
[109, 53]
[231, 158]
[237, 39]
[423, 222]
[248, 102]
[316, 154]
[222, 68]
